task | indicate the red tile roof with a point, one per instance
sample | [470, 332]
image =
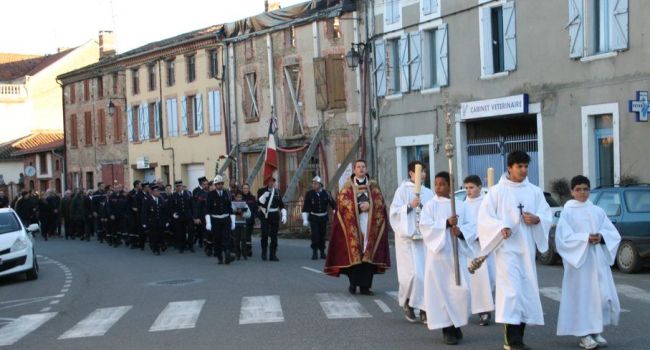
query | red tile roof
[14, 66]
[33, 143]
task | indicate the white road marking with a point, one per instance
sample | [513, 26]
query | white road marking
[383, 306]
[64, 290]
[16, 330]
[178, 315]
[20, 302]
[632, 292]
[338, 305]
[46, 309]
[312, 270]
[54, 302]
[67, 285]
[555, 293]
[261, 309]
[97, 323]
[394, 295]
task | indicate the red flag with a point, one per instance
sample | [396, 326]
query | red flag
[271, 158]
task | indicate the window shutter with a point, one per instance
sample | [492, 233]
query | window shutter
[185, 131]
[442, 50]
[380, 67]
[170, 118]
[320, 76]
[619, 29]
[247, 101]
[403, 54]
[509, 36]
[143, 113]
[396, 7]
[576, 28]
[198, 126]
[335, 82]
[156, 120]
[415, 53]
[211, 111]
[486, 25]
[129, 123]
[214, 101]
[426, 7]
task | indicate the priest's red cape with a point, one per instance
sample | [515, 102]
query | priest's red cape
[346, 244]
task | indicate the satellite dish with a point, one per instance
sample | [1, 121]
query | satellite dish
[30, 170]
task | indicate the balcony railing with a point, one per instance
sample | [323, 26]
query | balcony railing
[12, 92]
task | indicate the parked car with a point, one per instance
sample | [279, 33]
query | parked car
[17, 253]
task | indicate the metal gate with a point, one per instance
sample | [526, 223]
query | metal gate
[493, 152]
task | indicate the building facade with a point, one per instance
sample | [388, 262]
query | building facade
[565, 98]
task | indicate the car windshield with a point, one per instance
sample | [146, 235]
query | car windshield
[8, 223]
[638, 201]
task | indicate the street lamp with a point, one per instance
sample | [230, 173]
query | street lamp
[111, 106]
[353, 57]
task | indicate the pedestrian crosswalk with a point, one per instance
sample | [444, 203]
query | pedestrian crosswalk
[178, 315]
[97, 323]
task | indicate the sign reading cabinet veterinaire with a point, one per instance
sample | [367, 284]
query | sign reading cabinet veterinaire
[517, 104]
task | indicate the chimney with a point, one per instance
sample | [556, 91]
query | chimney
[266, 5]
[106, 43]
[274, 5]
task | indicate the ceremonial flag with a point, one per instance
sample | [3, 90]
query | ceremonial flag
[271, 157]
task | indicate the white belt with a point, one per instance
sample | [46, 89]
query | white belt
[273, 210]
[222, 216]
[319, 214]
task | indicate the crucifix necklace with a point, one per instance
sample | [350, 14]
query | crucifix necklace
[521, 209]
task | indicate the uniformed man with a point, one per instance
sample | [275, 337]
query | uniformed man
[314, 215]
[155, 219]
[271, 212]
[135, 200]
[144, 197]
[200, 195]
[220, 220]
[99, 199]
[118, 210]
[181, 208]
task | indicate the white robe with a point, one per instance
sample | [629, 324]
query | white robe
[589, 300]
[409, 253]
[479, 282]
[517, 292]
[446, 303]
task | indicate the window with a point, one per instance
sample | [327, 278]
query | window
[417, 147]
[143, 121]
[604, 137]
[117, 125]
[89, 180]
[610, 202]
[290, 37]
[430, 8]
[637, 201]
[214, 63]
[101, 126]
[72, 91]
[192, 113]
[601, 149]
[498, 38]
[397, 48]
[152, 76]
[172, 117]
[74, 141]
[154, 121]
[606, 31]
[392, 11]
[171, 73]
[135, 75]
[88, 129]
[329, 74]
[191, 68]
[334, 28]
[250, 106]
[214, 109]
[100, 87]
[380, 67]
[133, 123]
[294, 99]
[42, 164]
[57, 166]
[86, 90]
[115, 83]
[248, 49]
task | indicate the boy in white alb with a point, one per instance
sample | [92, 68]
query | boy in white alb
[587, 241]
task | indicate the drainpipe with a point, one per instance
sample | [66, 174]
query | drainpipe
[160, 121]
[232, 104]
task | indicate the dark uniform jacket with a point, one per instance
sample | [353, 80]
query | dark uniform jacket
[219, 204]
[99, 199]
[199, 208]
[317, 202]
[154, 213]
[118, 206]
[181, 205]
[4, 202]
[54, 204]
[276, 203]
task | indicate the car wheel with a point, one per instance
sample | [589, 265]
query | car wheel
[550, 257]
[627, 259]
[33, 273]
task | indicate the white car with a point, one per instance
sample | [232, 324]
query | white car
[17, 246]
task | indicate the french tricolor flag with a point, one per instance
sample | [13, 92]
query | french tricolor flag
[271, 158]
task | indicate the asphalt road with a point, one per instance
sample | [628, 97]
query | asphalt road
[91, 296]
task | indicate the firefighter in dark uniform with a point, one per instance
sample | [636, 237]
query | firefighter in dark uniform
[135, 200]
[314, 215]
[99, 199]
[155, 219]
[271, 213]
[182, 218]
[199, 196]
[251, 201]
[220, 220]
[118, 210]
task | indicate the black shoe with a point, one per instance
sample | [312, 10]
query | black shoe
[229, 258]
[274, 258]
[366, 291]
[156, 253]
[220, 262]
[314, 255]
[484, 319]
[352, 289]
[423, 317]
[449, 339]
[459, 333]
[264, 256]
[409, 313]
[517, 347]
[322, 254]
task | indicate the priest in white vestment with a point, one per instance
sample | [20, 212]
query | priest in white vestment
[587, 241]
[409, 248]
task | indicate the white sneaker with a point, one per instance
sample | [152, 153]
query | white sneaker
[600, 340]
[587, 342]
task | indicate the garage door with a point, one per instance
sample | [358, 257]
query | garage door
[194, 171]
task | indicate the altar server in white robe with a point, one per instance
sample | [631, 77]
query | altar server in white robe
[479, 282]
[513, 220]
[587, 241]
[447, 305]
[409, 247]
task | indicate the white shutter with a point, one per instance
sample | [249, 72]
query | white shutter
[509, 36]
[403, 54]
[576, 28]
[486, 25]
[156, 120]
[426, 7]
[129, 123]
[380, 67]
[185, 131]
[198, 125]
[143, 115]
[618, 24]
[170, 117]
[415, 53]
[214, 107]
[442, 55]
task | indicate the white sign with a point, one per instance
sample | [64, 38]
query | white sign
[142, 163]
[517, 104]
[346, 175]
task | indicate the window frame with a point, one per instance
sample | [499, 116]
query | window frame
[151, 74]
[170, 68]
[190, 65]
[135, 81]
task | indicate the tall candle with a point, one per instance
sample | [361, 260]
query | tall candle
[490, 177]
[418, 178]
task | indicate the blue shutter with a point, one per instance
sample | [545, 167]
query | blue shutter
[129, 123]
[396, 8]
[486, 25]
[576, 28]
[426, 7]
[618, 24]
[214, 107]
[415, 66]
[185, 131]
[172, 117]
[170, 122]
[403, 54]
[198, 125]
[509, 36]
[442, 56]
[380, 67]
[143, 115]
[156, 120]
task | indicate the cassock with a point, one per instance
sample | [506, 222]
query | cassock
[479, 282]
[517, 292]
[410, 254]
[589, 300]
[359, 243]
[446, 303]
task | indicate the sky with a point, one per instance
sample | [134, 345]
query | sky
[42, 26]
